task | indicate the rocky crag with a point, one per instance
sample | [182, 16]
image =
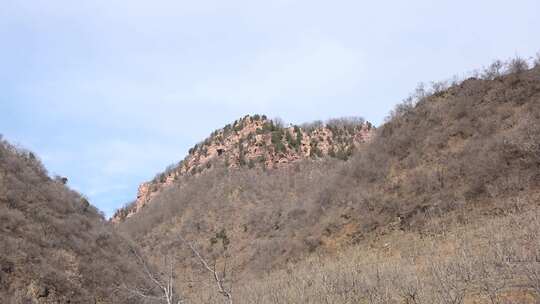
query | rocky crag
[255, 141]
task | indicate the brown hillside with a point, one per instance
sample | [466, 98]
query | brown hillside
[54, 246]
[445, 159]
[438, 205]
[257, 142]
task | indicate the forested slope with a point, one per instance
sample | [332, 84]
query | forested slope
[447, 158]
[54, 246]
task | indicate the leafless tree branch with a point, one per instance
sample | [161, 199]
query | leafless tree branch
[219, 280]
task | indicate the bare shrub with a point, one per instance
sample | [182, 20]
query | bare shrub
[472, 263]
[52, 237]
[439, 163]
[278, 122]
[163, 280]
[536, 60]
[438, 87]
[494, 70]
[348, 123]
[401, 109]
[311, 126]
[517, 65]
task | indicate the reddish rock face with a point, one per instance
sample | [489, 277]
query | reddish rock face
[255, 141]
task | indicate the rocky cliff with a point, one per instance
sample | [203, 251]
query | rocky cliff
[256, 141]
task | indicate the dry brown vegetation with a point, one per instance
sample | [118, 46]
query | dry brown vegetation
[450, 157]
[252, 142]
[493, 260]
[54, 246]
[442, 206]
[268, 216]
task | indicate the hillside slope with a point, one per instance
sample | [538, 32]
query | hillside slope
[258, 142]
[451, 158]
[54, 246]
[473, 145]
[447, 201]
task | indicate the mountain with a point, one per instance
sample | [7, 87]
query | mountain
[258, 142]
[455, 169]
[54, 246]
[440, 204]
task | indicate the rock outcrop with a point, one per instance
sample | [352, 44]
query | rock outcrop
[256, 141]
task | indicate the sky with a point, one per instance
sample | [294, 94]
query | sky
[110, 92]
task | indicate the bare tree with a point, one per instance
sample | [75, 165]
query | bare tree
[494, 70]
[377, 284]
[345, 122]
[163, 281]
[492, 278]
[411, 288]
[532, 273]
[517, 65]
[278, 122]
[437, 87]
[452, 279]
[218, 278]
[310, 126]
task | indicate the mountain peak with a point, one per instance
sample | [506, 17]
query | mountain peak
[255, 141]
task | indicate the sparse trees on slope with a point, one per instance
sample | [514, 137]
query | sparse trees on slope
[218, 278]
[162, 280]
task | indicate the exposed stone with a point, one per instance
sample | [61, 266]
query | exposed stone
[249, 142]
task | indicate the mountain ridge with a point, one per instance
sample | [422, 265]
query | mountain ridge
[256, 141]
[444, 159]
[443, 199]
[55, 247]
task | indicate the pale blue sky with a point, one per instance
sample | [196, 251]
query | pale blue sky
[109, 92]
